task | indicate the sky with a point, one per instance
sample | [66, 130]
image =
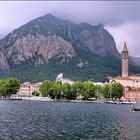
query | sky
[120, 18]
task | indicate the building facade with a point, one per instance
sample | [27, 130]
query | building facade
[66, 80]
[131, 83]
[132, 95]
[27, 88]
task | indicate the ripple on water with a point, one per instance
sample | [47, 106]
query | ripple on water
[35, 120]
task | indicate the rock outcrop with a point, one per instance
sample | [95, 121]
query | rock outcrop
[48, 37]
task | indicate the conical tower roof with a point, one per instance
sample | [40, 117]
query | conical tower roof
[125, 47]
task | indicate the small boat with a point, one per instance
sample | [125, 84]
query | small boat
[136, 106]
[113, 102]
[128, 102]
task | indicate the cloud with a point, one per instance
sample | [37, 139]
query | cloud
[128, 32]
[121, 18]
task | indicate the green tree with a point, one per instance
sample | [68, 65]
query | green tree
[106, 90]
[117, 90]
[56, 90]
[2, 88]
[98, 91]
[88, 90]
[11, 86]
[67, 91]
[77, 88]
[46, 88]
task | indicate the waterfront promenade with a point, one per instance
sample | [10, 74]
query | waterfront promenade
[40, 98]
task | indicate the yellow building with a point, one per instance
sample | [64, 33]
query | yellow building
[26, 89]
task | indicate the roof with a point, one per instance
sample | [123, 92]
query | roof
[131, 77]
[28, 84]
[122, 78]
[135, 75]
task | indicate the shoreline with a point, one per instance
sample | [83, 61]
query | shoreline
[71, 101]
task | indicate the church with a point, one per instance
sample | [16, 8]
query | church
[130, 82]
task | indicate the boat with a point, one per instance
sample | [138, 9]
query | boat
[136, 106]
[128, 102]
[120, 102]
[113, 102]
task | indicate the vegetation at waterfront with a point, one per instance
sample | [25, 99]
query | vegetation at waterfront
[9, 86]
[81, 90]
[112, 90]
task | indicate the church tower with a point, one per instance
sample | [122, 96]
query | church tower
[125, 61]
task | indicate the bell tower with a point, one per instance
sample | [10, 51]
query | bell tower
[125, 61]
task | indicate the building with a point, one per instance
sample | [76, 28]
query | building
[66, 80]
[130, 82]
[98, 83]
[61, 78]
[125, 61]
[26, 89]
[131, 95]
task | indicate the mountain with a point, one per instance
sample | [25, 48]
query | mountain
[46, 46]
[136, 60]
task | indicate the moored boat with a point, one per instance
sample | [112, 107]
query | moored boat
[136, 106]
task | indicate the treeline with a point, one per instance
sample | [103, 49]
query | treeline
[80, 90]
[57, 90]
[9, 86]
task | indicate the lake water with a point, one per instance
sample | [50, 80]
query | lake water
[38, 120]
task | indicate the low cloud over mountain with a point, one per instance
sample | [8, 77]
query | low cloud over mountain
[121, 18]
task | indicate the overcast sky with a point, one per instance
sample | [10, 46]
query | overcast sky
[121, 19]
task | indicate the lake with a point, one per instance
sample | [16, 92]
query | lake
[40, 120]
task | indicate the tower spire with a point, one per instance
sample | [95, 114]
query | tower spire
[125, 47]
[125, 61]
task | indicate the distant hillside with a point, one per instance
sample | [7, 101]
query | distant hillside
[46, 46]
[136, 60]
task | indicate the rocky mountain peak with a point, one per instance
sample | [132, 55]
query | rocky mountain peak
[100, 25]
[48, 37]
[49, 15]
[47, 45]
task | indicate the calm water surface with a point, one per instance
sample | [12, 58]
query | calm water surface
[36, 120]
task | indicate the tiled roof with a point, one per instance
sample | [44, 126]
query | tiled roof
[135, 76]
[122, 78]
